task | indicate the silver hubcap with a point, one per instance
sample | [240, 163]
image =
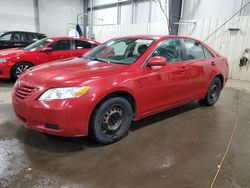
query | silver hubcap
[112, 120]
[20, 69]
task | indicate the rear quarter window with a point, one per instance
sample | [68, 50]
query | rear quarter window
[207, 53]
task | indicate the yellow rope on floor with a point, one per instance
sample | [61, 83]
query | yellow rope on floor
[229, 143]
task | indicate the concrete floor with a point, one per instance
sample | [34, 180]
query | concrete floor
[179, 148]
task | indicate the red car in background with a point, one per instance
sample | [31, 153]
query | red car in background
[13, 62]
[122, 80]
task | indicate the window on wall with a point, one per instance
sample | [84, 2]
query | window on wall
[194, 50]
[61, 45]
[171, 49]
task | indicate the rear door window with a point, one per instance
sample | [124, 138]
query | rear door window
[194, 50]
[79, 45]
[16, 37]
[28, 37]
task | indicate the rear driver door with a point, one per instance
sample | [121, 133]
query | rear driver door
[80, 47]
[199, 62]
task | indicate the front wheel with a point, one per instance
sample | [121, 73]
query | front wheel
[213, 92]
[19, 68]
[111, 120]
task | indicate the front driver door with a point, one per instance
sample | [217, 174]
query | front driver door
[164, 86]
[61, 50]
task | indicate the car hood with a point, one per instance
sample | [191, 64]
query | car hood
[70, 72]
[11, 51]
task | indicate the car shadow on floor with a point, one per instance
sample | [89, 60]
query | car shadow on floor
[6, 82]
[163, 116]
[57, 144]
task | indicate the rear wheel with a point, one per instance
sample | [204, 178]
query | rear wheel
[19, 68]
[111, 120]
[213, 92]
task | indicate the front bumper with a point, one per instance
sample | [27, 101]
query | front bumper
[69, 118]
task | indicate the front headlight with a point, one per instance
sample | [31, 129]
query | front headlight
[64, 93]
[3, 60]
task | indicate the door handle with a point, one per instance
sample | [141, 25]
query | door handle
[183, 69]
[213, 63]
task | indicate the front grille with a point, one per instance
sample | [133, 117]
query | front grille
[24, 91]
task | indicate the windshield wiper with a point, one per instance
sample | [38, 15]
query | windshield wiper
[99, 59]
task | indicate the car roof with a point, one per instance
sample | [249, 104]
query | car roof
[3, 32]
[73, 38]
[158, 37]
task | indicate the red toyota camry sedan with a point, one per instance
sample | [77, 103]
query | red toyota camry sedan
[13, 62]
[122, 80]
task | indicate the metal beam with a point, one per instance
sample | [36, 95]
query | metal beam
[133, 12]
[175, 7]
[91, 33]
[119, 13]
[36, 15]
[121, 2]
[85, 17]
[150, 11]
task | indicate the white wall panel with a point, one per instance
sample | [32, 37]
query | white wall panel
[56, 15]
[103, 33]
[108, 16]
[157, 14]
[101, 2]
[230, 44]
[17, 15]
[126, 14]
[197, 9]
[142, 12]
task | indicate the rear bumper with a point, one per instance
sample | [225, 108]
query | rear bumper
[58, 117]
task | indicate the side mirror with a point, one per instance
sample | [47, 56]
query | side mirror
[47, 49]
[157, 61]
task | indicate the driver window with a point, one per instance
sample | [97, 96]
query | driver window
[171, 49]
[61, 45]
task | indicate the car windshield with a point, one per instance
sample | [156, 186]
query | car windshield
[120, 51]
[38, 44]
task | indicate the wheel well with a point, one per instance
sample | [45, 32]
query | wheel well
[221, 79]
[123, 94]
[17, 64]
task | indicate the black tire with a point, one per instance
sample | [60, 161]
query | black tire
[213, 92]
[111, 120]
[19, 68]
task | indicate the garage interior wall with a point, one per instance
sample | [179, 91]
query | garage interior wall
[128, 18]
[17, 15]
[229, 43]
[133, 17]
[55, 18]
[58, 16]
